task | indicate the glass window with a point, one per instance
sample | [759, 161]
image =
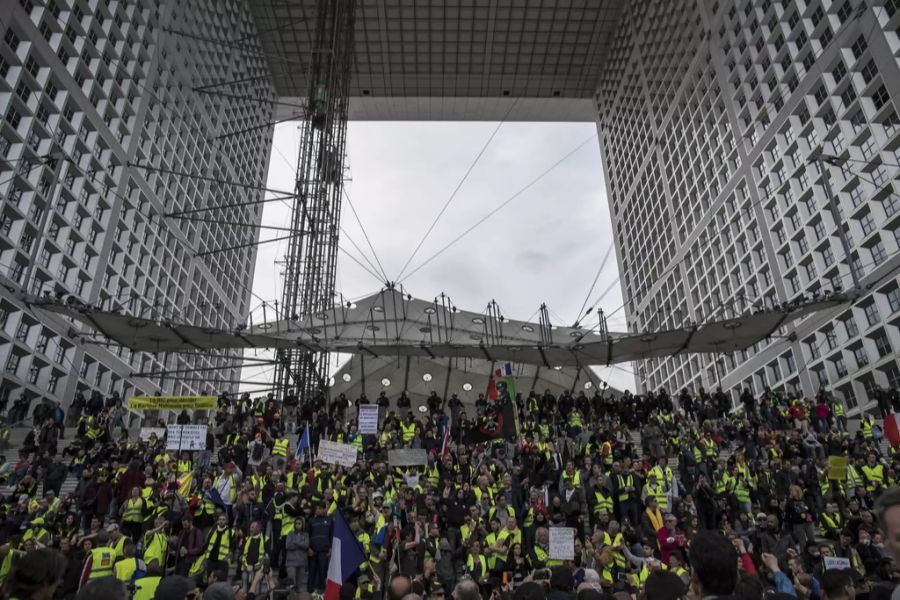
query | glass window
[872, 315]
[862, 359]
[882, 345]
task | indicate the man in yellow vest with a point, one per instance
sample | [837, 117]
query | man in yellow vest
[653, 489]
[100, 561]
[217, 550]
[145, 587]
[281, 449]
[408, 429]
[540, 553]
[126, 566]
[253, 553]
[840, 415]
[867, 426]
[873, 473]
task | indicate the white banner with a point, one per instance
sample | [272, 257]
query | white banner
[337, 454]
[146, 432]
[562, 543]
[836, 562]
[407, 457]
[368, 419]
[186, 437]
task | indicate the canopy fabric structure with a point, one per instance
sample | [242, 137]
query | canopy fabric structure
[389, 323]
[447, 376]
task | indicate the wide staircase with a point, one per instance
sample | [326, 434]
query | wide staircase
[17, 439]
[724, 453]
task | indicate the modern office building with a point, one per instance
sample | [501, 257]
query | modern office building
[709, 114]
[90, 93]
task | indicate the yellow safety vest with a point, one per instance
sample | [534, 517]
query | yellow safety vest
[261, 554]
[102, 562]
[11, 557]
[574, 477]
[281, 447]
[408, 431]
[603, 503]
[125, 569]
[145, 587]
[470, 566]
[615, 542]
[867, 429]
[874, 477]
[156, 549]
[625, 481]
[134, 510]
[659, 492]
[223, 537]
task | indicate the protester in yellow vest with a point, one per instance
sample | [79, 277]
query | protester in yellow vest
[100, 561]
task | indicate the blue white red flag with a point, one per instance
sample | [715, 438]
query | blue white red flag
[346, 557]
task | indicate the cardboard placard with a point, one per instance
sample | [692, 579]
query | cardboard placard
[562, 543]
[186, 437]
[337, 454]
[836, 562]
[172, 402]
[146, 432]
[838, 467]
[368, 419]
[407, 457]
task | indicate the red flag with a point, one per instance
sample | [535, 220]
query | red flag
[492, 393]
[892, 429]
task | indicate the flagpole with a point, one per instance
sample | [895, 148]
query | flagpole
[309, 447]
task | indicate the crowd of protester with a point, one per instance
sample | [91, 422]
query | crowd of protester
[669, 496]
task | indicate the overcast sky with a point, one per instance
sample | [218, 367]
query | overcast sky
[546, 245]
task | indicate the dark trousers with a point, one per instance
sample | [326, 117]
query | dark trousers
[318, 571]
[133, 529]
[629, 509]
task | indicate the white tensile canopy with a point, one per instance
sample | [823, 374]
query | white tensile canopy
[391, 324]
[447, 376]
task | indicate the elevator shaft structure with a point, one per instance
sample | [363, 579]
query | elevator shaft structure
[311, 260]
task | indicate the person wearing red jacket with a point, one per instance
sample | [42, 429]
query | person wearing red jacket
[669, 538]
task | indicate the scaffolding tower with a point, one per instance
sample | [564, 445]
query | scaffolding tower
[310, 263]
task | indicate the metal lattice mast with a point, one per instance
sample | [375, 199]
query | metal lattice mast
[311, 260]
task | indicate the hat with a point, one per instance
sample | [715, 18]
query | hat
[377, 495]
[760, 516]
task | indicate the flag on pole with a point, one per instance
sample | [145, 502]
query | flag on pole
[506, 373]
[500, 419]
[303, 443]
[346, 557]
[445, 446]
[185, 483]
[892, 429]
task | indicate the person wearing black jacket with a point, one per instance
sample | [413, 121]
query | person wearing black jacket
[799, 517]
[320, 528]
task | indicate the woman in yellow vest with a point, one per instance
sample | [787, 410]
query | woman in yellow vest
[476, 564]
[132, 514]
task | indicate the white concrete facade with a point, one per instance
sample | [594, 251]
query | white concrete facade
[709, 114]
[88, 89]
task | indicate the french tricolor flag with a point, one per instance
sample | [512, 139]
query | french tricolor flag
[346, 557]
[892, 429]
